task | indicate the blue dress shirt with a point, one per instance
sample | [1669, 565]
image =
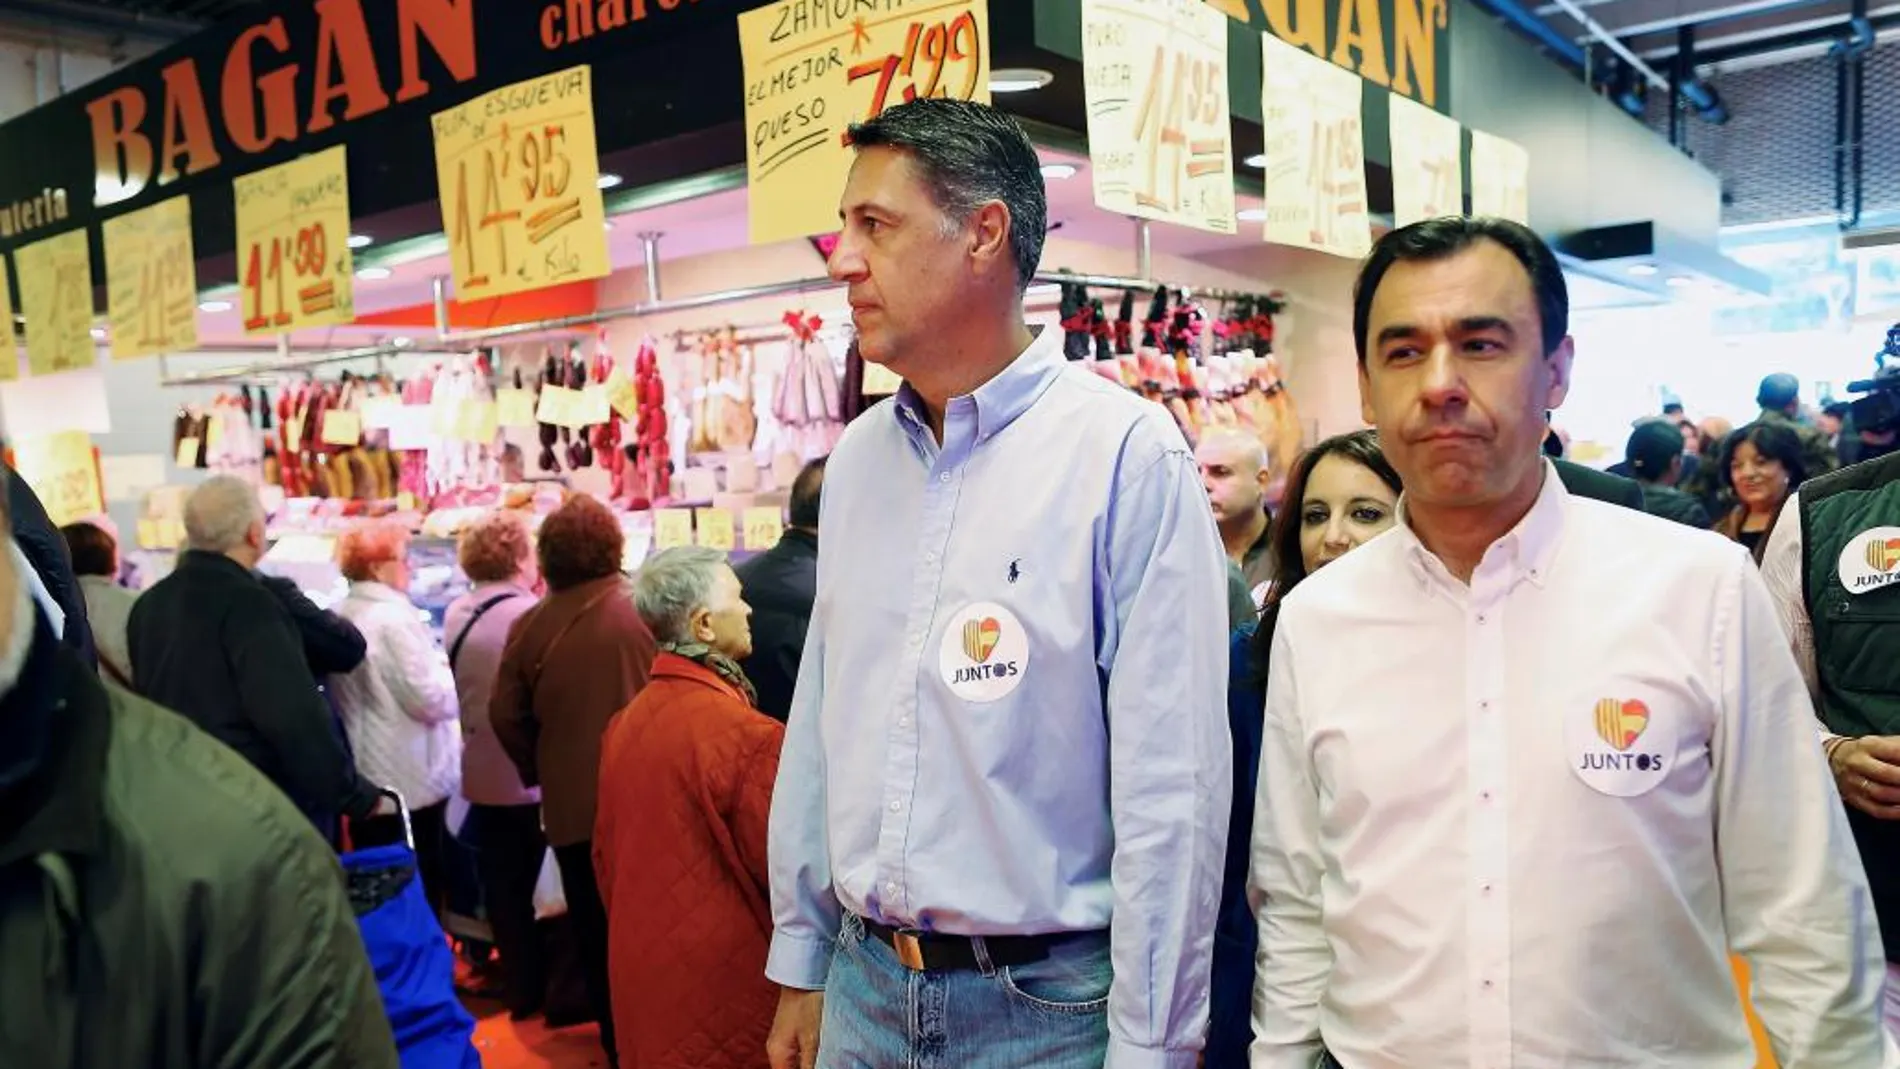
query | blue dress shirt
[1011, 714]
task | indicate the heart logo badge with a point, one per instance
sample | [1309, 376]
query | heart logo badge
[1621, 723]
[980, 638]
[1883, 556]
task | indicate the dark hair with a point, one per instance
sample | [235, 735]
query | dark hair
[581, 541]
[1772, 441]
[1553, 444]
[1289, 565]
[1439, 239]
[806, 490]
[970, 154]
[93, 550]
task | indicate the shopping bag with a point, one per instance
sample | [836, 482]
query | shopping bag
[549, 898]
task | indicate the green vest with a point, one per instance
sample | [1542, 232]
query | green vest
[1856, 631]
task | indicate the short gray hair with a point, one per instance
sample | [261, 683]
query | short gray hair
[219, 513]
[673, 583]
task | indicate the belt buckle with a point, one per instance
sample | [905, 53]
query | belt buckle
[910, 950]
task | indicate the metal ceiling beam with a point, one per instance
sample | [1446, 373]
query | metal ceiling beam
[1800, 38]
[1666, 16]
[1762, 34]
[100, 18]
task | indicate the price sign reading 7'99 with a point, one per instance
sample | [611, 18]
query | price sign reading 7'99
[293, 231]
[519, 180]
[810, 73]
[1155, 79]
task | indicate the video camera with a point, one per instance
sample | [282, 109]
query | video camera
[1879, 410]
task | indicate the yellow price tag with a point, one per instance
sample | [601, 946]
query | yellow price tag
[61, 470]
[477, 422]
[593, 408]
[151, 280]
[622, 394]
[405, 501]
[187, 452]
[56, 298]
[672, 527]
[763, 528]
[807, 79]
[293, 231]
[1155, 78]
[9, 352]
[342, 427]
[214, 435]
[514, 408]
[518, 175]
[1315, 147]
[558, 407]
[1500, 178]
[715, 528]
[1428, 173]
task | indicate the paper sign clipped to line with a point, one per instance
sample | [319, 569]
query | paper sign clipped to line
[763, 528]
[56, 299]
[672, 528]
[715, 528]
[295, 268]
[151, 280]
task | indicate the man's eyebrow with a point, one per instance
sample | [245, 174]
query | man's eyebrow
[1480, 324]
[1398, 332]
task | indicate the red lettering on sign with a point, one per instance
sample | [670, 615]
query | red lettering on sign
[343, 41]
[242, 87]
[186, 118]
[122, 153]
[450, 27]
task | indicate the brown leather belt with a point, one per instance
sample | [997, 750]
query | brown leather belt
[935, 951]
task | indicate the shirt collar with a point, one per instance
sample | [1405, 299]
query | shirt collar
[370, 590]
[999, 401]
[1525, 551]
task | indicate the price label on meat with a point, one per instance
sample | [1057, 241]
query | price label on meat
[814, 68]
[152, 281]
[1315, 149]
[56, 299]
[1428, 174]
[293, 239]
[519, 181]
[1500, 178]
[1155, 76]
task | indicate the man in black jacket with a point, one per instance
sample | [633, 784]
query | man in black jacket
[213, 643]
[45, 549]
[781, 584]
[1654, 457]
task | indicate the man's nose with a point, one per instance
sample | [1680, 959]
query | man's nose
[845, 264]
[1444, 381]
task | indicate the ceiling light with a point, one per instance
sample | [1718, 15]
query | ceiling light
[608, 181]
[1058, 171]
[1251, 215]
[1681, 281]
[214, 306]
[402, 341]
[1019, 79]
[99, 333]
[374, 274]
[608, 225]
[1257, 161]
[361, 241]
[1642, 270]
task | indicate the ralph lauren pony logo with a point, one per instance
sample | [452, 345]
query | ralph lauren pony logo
[1621, 723]
[980, 638]
[1883, 556]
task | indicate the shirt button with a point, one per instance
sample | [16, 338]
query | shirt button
[1488, 985]
[930, 558]
[1485, 795]
[1483, 619]
[896, 806]
[890, 889]
[1485, 887]
[1484, 706]
[903, 721]
[944, 478]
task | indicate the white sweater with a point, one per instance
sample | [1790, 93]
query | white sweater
[399, 705]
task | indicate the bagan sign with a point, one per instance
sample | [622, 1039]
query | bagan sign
[1403, 45]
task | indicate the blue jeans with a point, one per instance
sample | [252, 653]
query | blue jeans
[1051, 1014]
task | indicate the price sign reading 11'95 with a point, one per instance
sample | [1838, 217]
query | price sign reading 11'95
[519, 180]
[813, 69]
[1155, 78]
[293, 231]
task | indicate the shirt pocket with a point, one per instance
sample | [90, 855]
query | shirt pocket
[1857, 651]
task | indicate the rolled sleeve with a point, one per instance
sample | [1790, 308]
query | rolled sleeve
[805, 909]
[1170, 762]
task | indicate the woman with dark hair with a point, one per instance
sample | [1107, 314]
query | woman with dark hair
[1341, 493]
[1761, 465]
[95, 556]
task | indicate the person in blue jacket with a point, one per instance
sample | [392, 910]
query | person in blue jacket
[1341, 494]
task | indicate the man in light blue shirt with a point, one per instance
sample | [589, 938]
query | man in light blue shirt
[1001, 811]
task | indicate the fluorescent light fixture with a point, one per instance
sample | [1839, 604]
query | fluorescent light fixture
[608, 181]
[214, 306]
[361, 241]
[374, 274]
[1058, 171]
[1251, 215]
[99, 333]
[1019, 79]
[1258, 161]
[1642, 270]
[402, 340]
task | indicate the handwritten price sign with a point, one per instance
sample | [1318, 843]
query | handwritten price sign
[1316, 173]
[1155, 78]
[763, 527]
[293, 234]
[152, 281]
[64, 473]
[518, 177]
[9, 352]
[1428, 174]
[810, 74]
[1500, 178]
[56, 298]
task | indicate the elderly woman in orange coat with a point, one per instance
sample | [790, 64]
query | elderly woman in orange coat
[686, 779]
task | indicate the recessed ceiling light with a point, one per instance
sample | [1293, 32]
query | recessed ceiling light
[214, 306]
[1258, 161]
[402, 341]
[608, 181]
[1019, 79]
[99, 333]
[374, 274]
[1681, 281]
[361, 241]
[1251, 215]
[609, 225]
[1058, 171]
[1642, 270]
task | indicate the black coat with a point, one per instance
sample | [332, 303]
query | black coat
[780, 584]
[1670, 503]
[211, 642]
[1600, 485]
[45, 549]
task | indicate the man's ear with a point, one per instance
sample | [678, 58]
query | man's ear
[1560, 359]
[989, 238]
[1365, 397]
